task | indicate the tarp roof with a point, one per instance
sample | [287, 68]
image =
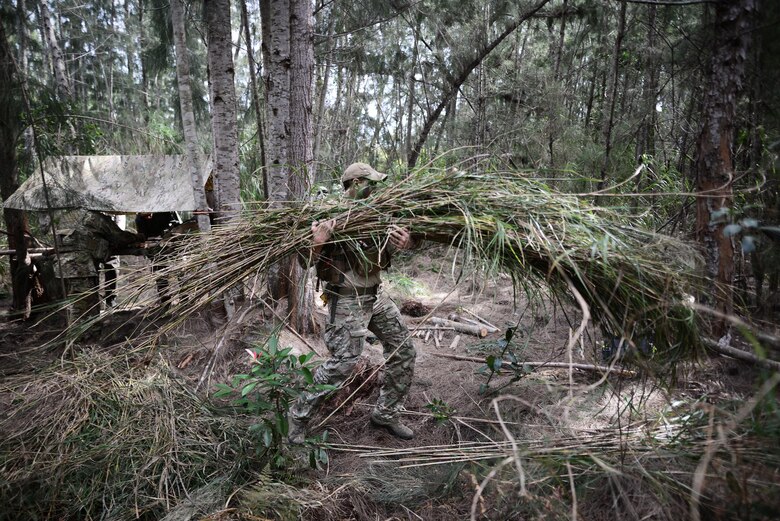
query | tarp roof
[119, 184]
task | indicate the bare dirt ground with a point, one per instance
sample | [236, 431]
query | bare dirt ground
[545, 403]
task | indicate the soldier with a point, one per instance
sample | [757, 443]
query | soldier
[357, 306]
[87, 238]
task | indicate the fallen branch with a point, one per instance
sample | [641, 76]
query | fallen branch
[479, 318]
[459, 326]
[561, 365]
[741, 355]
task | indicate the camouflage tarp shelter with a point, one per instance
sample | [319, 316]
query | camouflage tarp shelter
[117, 184]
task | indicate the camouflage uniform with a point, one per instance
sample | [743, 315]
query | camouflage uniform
[356, 306]
[88, 239]
[352, 317]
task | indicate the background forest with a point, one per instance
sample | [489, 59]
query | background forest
[665, 111]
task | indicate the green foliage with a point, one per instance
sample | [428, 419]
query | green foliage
[405, 284]
[505, 358]
[275, 380]
[441, 410]
[60, 129]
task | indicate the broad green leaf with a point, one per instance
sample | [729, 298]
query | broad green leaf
[248, 388]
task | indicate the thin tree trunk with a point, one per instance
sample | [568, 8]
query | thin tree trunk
[144, 67]
[255, 91]
[188, 115]
[468, 65]
[714, 157]
[278, 103]
[645, 143]
[611, 96]
[410, 87]
[323, 88]
[64, 90]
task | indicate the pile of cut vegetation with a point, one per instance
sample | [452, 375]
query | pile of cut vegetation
[106, 437]
[632, 281]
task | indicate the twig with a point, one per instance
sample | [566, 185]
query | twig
[541, 365]
[480, 319]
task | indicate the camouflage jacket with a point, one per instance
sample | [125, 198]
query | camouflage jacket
[88, 238]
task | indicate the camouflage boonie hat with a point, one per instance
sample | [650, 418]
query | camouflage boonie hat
[358, 170]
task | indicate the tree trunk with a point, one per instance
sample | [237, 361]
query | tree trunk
[257, 105]
[223, 108]
[410, 87]
[323, 89]
[714, 156]
[188, 115]
[64, 90]
[15, 220]
[300, 296]
[278, 102]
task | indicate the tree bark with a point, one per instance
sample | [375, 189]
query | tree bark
[188, 115]
[223, 108]
[300, 296]
[410, 87]
[278, 98]
[323, 89]
[714, 165]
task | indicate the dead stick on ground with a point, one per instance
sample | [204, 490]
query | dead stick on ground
[742, 355]
[482, 320]
[564, 365]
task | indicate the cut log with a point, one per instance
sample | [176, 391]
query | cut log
[455, 342]
[479, 331]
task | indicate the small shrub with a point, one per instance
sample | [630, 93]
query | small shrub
[276, 379]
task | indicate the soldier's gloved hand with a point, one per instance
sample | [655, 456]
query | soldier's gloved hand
[321, 231]
[400, 238]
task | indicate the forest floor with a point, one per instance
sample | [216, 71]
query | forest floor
[542, 443]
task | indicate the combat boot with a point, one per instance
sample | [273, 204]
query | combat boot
[296, 431]
[393, 426]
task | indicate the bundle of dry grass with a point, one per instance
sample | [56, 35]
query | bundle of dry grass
[633, 281]
[101, 438]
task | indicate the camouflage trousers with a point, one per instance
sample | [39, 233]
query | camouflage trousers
[84, 298]
[351, 318]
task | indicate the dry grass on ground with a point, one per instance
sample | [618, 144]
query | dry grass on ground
[124, 434]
